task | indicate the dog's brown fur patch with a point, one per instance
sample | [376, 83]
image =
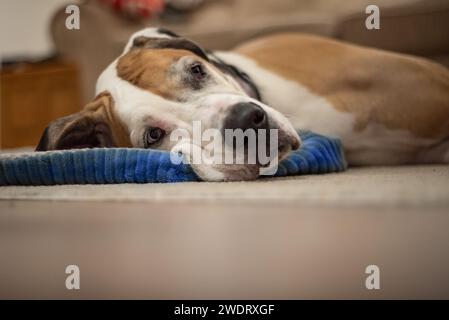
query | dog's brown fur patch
[97, 125]
[395, 90]
[149, 69]
[102, 108]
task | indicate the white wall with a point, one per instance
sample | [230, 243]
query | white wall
[24, 27]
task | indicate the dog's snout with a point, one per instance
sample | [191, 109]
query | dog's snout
[246, 115]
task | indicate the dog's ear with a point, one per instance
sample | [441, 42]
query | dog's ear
[167, 32]
[94, 126]
[175, 42]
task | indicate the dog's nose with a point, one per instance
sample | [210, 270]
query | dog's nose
[246, 115]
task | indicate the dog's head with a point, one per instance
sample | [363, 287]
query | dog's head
[163, 83]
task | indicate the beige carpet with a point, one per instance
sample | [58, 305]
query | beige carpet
[394, 186]
[300, 237]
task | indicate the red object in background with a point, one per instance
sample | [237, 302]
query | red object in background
[137, 8]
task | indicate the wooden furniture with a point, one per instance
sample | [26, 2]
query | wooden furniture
[34, 94]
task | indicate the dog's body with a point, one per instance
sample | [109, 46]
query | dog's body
[387, 108]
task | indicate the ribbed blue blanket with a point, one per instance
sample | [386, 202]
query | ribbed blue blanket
[318, 154]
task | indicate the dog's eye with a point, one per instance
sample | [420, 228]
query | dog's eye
[152, 136]
[197, 70]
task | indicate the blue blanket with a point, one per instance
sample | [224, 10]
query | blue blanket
[318, 154]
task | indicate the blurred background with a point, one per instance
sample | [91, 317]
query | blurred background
[49, 71]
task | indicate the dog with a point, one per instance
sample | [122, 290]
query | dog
[387, 108]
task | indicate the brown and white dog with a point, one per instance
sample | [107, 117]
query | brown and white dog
[387, 108]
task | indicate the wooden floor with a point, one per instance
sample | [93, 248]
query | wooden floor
[221, 250]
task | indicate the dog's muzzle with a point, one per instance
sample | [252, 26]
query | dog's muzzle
[246, 115]
[249, 116]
